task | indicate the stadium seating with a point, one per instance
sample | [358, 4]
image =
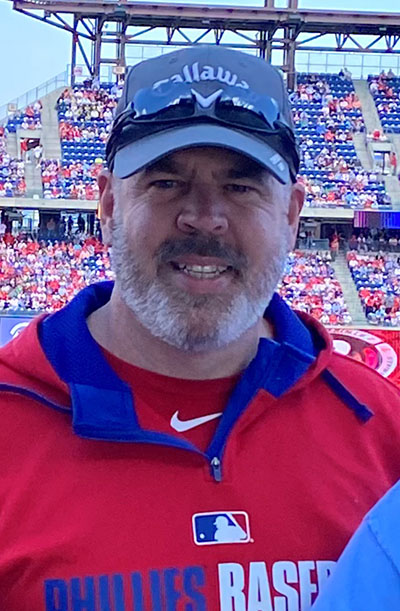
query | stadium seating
[327, 112]
[71, 179]
[377, 279]
[30, 118]
[44, 276]
[12, 171]
[309, 285]
[385, 90]
[85, 117]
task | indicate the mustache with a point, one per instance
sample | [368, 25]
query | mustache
[202, 246]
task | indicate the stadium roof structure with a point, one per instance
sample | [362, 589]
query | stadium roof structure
[264, 29]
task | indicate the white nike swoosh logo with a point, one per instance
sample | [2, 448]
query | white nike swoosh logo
[185, 425]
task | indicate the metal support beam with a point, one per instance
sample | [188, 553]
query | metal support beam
[85, 25]
[85, 58]
[258, 28]
[341, 39]
[73, 51]
[97, 48]
[218, 35]
[289, 57]
[121, 57]
[391, 41]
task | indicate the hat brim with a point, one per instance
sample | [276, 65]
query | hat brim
[137, 155]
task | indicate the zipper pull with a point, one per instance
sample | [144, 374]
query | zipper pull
[216, 469]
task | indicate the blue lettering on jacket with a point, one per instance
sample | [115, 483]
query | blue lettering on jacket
[194, 576]
[83, 594]
[165, 589]
[155, 586]
[56, 595]
[137, 590]
[111, 593]
[172, 595]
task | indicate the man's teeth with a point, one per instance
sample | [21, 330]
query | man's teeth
[202, 271]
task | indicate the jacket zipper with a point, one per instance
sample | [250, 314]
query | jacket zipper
[216, 470]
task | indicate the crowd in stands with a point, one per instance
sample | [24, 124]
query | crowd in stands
[374, 240]
[327, 113]
[377, 279]
[385, 90]
[345, 187]
[71, 180]
[85, 117]
[309, 285]
[89, 133]
[30, 118]
[12, 171]
[44, 276]
[83, 104]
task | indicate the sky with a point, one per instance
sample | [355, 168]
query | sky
[32, 52]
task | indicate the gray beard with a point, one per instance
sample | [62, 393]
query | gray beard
[193, 323]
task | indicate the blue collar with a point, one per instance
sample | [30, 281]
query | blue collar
[103, 405]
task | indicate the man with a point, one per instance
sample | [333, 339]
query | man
[143, 416]
[368, 573]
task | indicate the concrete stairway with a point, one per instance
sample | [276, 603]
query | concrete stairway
[370, 114]
[362, 150]
[12, 146]
[392, 185]
[350, 293]
[395, 140]
[50, 138]
[33, 179]
[365, 150]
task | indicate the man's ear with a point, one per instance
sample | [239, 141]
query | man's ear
[106, 205]
[297, 197]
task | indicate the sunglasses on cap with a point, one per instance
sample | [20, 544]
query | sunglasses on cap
[171, 104]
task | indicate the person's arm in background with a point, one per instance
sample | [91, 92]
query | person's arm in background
[367, 576]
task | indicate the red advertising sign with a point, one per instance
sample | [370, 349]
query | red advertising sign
[377, 348]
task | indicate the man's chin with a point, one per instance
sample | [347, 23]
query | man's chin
[192, 323]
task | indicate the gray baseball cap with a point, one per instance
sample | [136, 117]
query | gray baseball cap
[153, 117]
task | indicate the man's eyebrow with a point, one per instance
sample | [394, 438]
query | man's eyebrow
[253, 171]
[166, 164]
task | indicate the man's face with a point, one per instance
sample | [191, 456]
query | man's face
[199, 242]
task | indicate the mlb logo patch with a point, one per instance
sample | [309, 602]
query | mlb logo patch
[213, 528]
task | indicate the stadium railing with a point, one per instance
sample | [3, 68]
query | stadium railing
[60, 80]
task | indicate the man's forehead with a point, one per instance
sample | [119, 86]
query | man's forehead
[218, 159]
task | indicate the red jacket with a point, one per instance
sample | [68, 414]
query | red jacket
[100, 515]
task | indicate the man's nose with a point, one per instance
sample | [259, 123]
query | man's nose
[203, 211]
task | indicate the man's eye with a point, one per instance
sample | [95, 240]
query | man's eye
[164, 184]
[236, 188]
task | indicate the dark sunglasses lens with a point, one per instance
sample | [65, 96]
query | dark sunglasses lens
[237, 115]
[164, 100]
[250, 109]
[180, 109]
